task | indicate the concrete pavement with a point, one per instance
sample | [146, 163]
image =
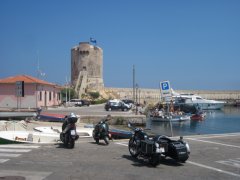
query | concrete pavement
[212, 157]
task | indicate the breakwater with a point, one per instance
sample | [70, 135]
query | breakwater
[153, 95]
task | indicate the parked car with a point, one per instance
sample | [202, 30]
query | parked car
[85, 102]
[128, 101]
[74, 102]
[116, 105]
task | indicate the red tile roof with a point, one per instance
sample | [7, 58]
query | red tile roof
[26, 79]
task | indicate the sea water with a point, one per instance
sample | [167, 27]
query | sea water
[226, 120]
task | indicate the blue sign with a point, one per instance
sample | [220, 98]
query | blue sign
[165, 86]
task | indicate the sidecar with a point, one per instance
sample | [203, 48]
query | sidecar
[176, 149]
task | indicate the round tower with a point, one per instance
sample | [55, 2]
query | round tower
[87, 66]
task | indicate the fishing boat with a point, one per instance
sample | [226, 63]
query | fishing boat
[173, 118]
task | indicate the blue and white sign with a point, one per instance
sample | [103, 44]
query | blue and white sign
[165, 88]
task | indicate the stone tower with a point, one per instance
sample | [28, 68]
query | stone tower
[86, 67]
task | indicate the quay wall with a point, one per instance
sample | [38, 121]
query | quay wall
[153, 95]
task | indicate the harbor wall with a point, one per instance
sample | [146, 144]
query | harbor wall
[153, 95]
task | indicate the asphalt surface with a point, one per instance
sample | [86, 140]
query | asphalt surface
[92, 110]
[212, 157]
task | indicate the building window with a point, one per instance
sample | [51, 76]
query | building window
[50, 96]
[40, 96]
[85, 53]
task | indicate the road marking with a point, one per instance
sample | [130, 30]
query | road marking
[4, 160]
[9, 155]
[214, 169]
[121, 144]
[231, 162]
[214, 136]
[14, 150]
[211, 142]
[18, 146]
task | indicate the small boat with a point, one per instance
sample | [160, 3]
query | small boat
[82, 132]
[198, 117]
[173, 118]
[10, 137]
[120, 134]
[51, 117]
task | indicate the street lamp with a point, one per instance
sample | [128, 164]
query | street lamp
[136, 93]
[136, 86]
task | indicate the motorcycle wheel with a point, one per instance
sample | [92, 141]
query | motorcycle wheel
[71, 143]
[66, 139]
[154, 160]
[97, 140]
[133, 148]
[106, 140]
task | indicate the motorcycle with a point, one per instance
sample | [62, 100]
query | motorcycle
[101, 131]
[69, 134]
[157, 147]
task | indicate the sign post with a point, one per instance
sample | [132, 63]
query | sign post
[165, 89]
[165, 94]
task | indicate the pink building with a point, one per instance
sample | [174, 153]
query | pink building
[37, 93]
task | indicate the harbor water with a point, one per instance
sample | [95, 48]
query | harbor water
[226, 120]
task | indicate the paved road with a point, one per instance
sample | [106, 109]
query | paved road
[87, 111]
[212, 157]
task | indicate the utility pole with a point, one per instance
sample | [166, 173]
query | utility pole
[133, 83]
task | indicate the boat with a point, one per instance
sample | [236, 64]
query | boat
[82, 132]
[196, 100]
[12, 137]
[168, 118]
[198, 116]
[120, 134]
[51, 117]
[168, 113]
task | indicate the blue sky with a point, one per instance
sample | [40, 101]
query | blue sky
[195, 44]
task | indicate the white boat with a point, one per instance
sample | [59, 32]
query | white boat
[82, 131]
[169, 117]
[45, 134]
[196, 100]
[7, 137]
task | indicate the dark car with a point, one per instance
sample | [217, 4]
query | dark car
[116, 105]
[85, 102]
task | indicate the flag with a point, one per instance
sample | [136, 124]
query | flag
[92, 40]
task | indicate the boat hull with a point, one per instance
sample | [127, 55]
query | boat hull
[177, 118]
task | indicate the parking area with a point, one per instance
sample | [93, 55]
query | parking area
[212, 157]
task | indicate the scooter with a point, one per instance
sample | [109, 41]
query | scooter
[101, 131]
[69, 134]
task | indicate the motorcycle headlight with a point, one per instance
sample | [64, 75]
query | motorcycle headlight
[157, 145]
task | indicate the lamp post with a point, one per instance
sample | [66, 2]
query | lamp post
[136, 98]
[136, 93]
